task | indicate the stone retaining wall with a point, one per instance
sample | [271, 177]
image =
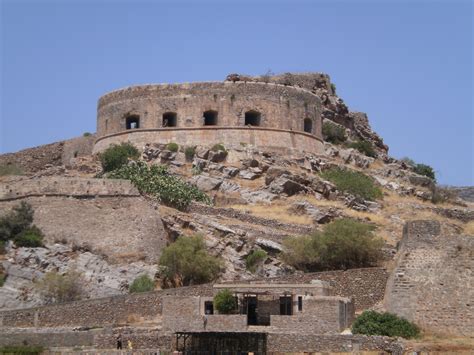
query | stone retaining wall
[432, 283]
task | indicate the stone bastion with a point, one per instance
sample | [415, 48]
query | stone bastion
[267, 115]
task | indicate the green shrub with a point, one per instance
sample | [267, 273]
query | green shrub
[225, 302]
[333, 88]
[30, 238]
[387, 324]
[23, 350]
[334, 133]
[364, 147]
[10, 169]
[187, 262]
[254, 259]
[189, 153]
[3, 277]
[116, 156]
[2, 247]
[172, 147]
[142, 283]
[408, 161]
[343, 244]
[156, 181]
[17, 226]
[57, 288]
[353, 182]
[425, 170]
[218, 147]
[87, 134]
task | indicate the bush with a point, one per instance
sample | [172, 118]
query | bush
[87, 134]
[353, 182]
[364, 147]
[254, 259]
[334, 133]
[117, 156]
[10, 169]
[142, 283]
[157, 181]
[17, 226]
[58, 288]
[172, 147]
[333, 88]
[387, 324]
[189, 153]
[425, 170]
[343, 244]
[2, 247]
[408, 161]
[186, 262]
[218, 147]
[23, 350]
[225, 302]
[3, 277]
[30, 238]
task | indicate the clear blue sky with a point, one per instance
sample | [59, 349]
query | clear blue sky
[408, 64]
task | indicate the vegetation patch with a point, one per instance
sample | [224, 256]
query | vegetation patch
[334, 133]
[87, 134]
[189, 153]
[142, 283]
[254, 259]
[18, 226]
[10, 169]
[172, 147]
[387, 324]
[57, 288]
[118, 155]
[218, 147]
[364, 147]
[225, 302]
[158, 182]
[187, 262]
[21, 349]
[353, 182]
[3, 277]
[425, 170]
[343, 244]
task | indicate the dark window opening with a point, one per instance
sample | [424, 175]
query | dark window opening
[252, 118]
[300, 303]
[251, 304]
[210, 118]
[169, 119]
[133, 122]
[308, 125]
[286, 308]
[208, 307]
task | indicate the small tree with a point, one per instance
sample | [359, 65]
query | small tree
[187, 262]
[17, 226]
[142, 283]
[31, 237]
[189, 153]
[225, 302]
[57, 288]
[387, 324]
[118, 155]
[425, 170]
[172, 147]
[364, 147]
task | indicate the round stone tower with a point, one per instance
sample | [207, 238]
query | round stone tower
[267, 115]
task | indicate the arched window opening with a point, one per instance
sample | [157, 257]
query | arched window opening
[308, 125]
[169, 119]
[210, 118]
[252, 118]
[132, 122]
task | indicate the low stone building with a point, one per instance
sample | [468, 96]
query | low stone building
[264, 311]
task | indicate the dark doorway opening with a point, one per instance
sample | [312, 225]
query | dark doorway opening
[208, 307]
[251, 304]
[210, 118]
[286, 308]
[169, 119]
[132, 122]
[308, 125]
[252, 118]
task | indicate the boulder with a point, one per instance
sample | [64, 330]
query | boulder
[206, 183]
[269, 245]
[273, 172]
[284, 185]
[166, 155]
[230, 171]
[250, 163]
[199, 163]
[201, 152]
[248, 175]
[218, 156]
[319, 215]
[258, 196]
[423, 181]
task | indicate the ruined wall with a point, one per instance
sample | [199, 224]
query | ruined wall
[106, 216]
[432, 283]
[35, 159]
[77, 147]
[277, 289]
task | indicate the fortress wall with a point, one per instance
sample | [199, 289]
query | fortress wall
[433, 282]
[77, 147]
[119, 224]
[269, 139]
[35, 159]
[282, 107]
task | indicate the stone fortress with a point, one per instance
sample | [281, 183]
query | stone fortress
[272, 115]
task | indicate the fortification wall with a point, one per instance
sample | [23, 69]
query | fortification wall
[108, 217]
[35, 159]
[432, 283]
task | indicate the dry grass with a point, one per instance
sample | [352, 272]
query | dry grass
[276, 211]
[469, 228]
[250, 184]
